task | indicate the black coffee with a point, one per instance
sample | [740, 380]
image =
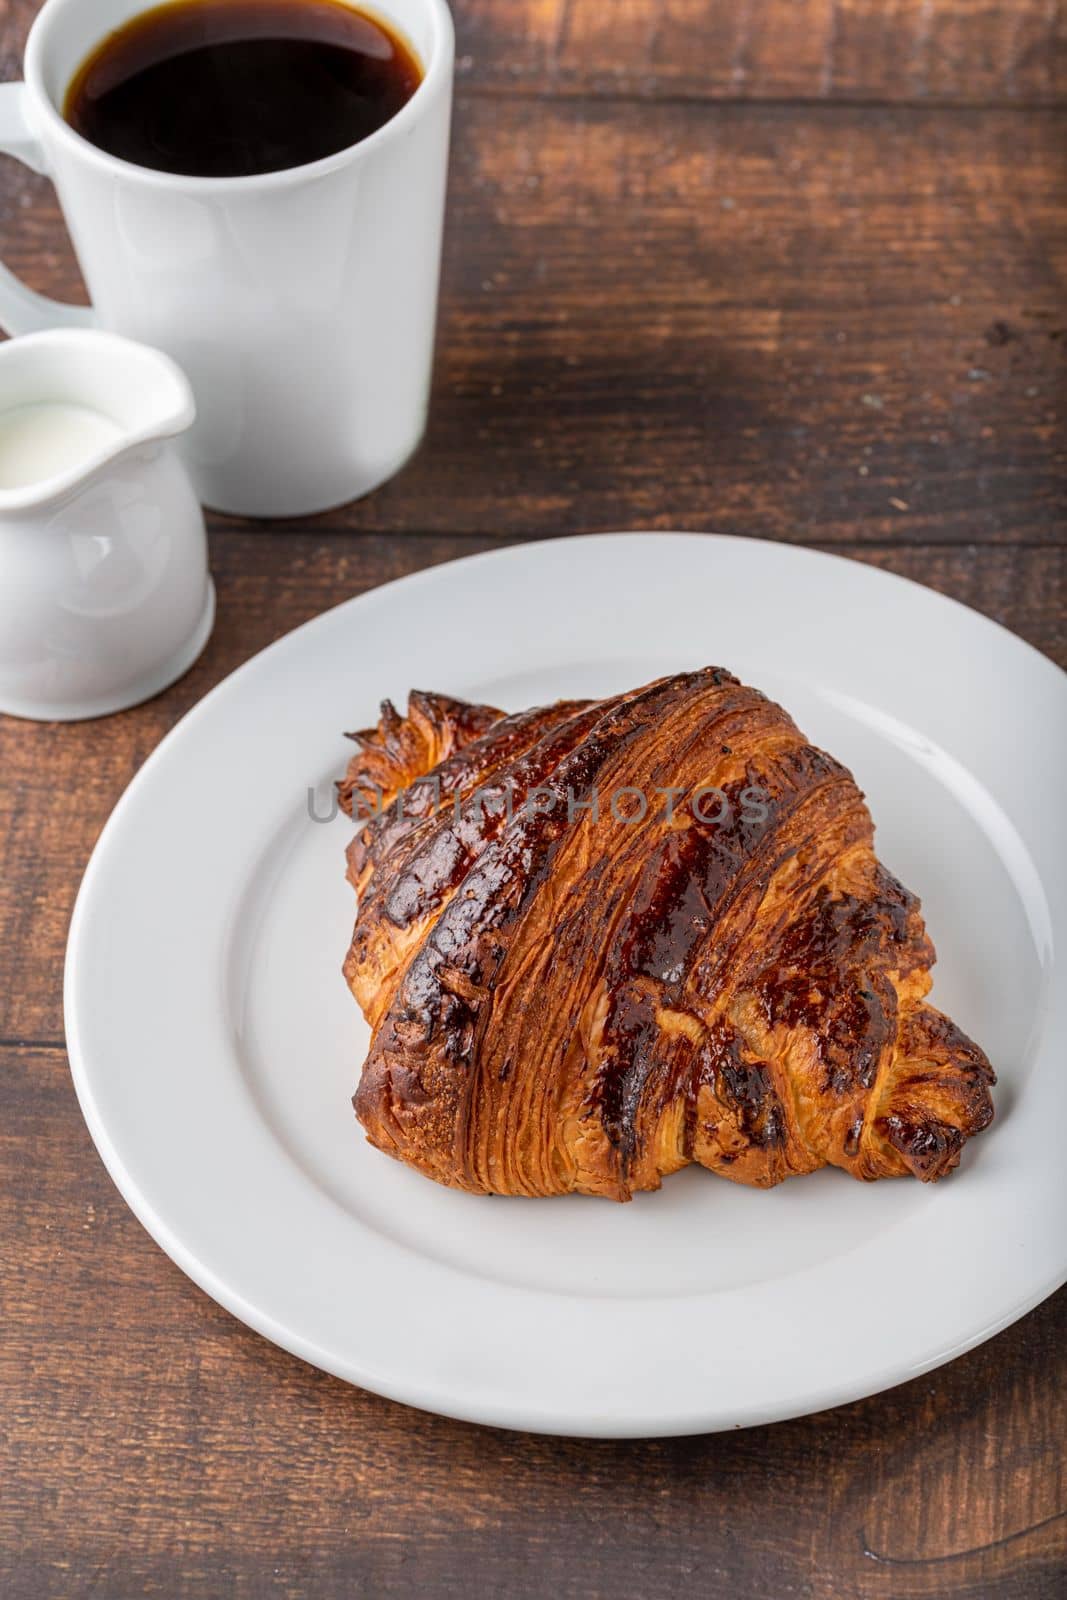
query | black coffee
[228, 88]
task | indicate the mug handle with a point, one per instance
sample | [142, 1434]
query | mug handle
[22, 310]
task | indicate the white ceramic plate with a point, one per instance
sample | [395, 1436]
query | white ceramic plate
[215, 1047]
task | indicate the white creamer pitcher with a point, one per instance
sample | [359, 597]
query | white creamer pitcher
[105, 597]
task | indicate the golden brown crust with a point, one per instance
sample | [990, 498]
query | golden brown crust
[579, 994]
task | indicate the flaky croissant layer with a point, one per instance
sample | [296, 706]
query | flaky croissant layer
[600, 940]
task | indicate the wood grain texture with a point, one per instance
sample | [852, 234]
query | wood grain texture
[950, 51]
[889, 50]
[731, 318]
[670, 299]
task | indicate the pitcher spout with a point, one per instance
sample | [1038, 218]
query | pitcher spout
[75, 401]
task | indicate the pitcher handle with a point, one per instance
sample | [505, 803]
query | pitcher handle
[22, 310]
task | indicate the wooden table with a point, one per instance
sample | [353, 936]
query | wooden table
[786, 268]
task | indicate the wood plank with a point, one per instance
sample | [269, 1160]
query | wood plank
[893, 50]
[155, 1446]
[61, 782]
[738, 318]
[885, 50]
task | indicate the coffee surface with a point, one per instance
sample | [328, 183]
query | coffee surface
[230, 88]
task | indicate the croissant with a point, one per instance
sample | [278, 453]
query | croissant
[600, 940]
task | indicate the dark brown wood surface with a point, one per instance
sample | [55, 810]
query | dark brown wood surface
[787, 268]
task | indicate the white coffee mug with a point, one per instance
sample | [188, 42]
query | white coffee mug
[301, 303]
